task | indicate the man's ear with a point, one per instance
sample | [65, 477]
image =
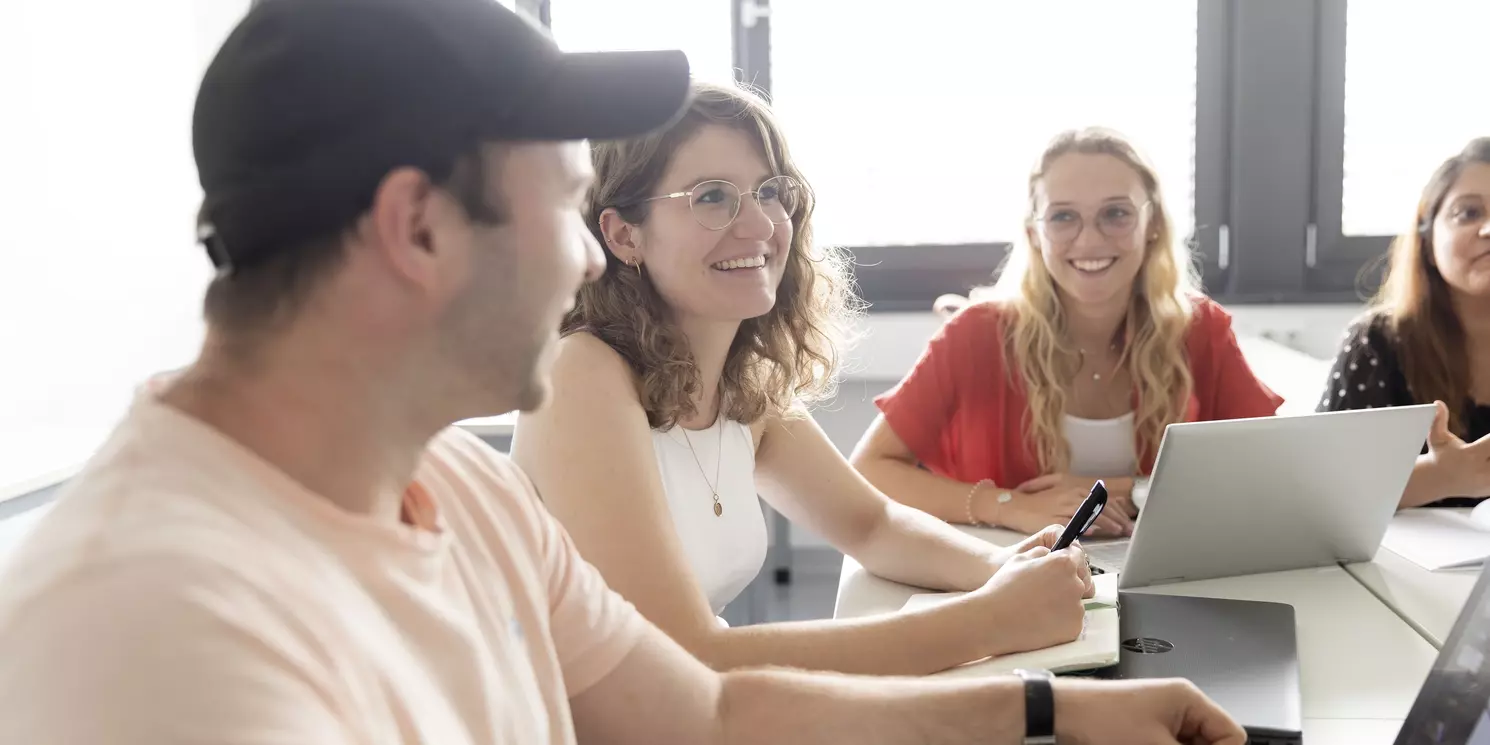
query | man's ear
[621, 238]
[402, 224]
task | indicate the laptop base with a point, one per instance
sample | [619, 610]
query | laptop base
[1241, 653]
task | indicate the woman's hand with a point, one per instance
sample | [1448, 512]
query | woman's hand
[1046, 539]
[1452, 467]
[1034, 600]
[1055, 498]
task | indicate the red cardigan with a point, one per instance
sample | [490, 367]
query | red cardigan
[962, 410]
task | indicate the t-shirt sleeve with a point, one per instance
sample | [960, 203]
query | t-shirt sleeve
[1237, 392]
[1362, 374]
[921, 405]
[161, 652]
[593, 627]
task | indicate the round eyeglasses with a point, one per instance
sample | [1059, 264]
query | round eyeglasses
[1115, 220]
[716, 203]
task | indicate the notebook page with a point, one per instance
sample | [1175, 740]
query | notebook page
[1096, 647]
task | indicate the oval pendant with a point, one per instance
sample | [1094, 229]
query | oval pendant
[718, 509]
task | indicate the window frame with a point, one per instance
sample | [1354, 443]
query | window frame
[898, 278]
[1269, 145]
[539, 10]
[1336, 259]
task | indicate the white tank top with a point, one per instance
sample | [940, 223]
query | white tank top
[725, 551]
[1101, 448]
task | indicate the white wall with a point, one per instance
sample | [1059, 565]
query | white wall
[103, 280]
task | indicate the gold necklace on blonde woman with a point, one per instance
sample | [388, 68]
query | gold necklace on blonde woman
[718, 459]
[1097, 376]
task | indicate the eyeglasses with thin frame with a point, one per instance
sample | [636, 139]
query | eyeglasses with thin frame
[1114, 220]
[1467, 213]
[715, 204]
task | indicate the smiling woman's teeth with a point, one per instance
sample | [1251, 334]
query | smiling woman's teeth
[754, 262]
[1092, 265]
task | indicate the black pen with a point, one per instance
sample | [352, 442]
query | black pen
[1085, 515]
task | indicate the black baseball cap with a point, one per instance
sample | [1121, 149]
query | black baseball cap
[310, 103]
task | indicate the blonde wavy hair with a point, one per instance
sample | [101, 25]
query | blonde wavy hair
[1152, 335]
[785, 358]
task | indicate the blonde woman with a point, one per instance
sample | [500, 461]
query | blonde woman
[678, 392]
[1093, 340]
[1426, 338]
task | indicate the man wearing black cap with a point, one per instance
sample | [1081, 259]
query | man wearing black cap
[286, 543]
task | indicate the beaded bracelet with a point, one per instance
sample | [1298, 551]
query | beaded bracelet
[973, 521]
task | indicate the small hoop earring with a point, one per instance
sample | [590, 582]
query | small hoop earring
[636, 264]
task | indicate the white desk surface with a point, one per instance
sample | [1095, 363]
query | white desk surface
[490, 426]
[1360, 665]
[1429, 601]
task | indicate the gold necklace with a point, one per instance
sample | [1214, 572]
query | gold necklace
[1097, 376]
[718, 459]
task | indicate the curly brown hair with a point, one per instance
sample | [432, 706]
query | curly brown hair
[788, 356]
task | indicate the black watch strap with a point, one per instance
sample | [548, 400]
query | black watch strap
[1039, 707]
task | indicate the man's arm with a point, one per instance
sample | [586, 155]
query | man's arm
[660, 694]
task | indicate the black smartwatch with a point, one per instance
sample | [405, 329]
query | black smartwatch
[1039, 707]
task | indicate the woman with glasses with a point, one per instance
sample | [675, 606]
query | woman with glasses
[1426, 338]
[680, 387]
[1093, 339]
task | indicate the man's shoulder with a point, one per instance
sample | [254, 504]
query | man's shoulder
[139, 521]
[176, 571]
[106, 515]
[110, 635]
[463, 466]
[455, 448]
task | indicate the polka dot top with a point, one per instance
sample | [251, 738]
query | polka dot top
[1367, 374]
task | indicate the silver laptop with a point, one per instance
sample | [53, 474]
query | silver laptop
[1241, 653]
[1244, 655]
[1453, 706]
[1248, 496]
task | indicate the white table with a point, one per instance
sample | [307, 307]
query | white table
[501, 425]
[1428, 601]
[1356, 689]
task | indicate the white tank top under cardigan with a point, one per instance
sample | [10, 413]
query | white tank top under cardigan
[1101, 448]
[725, 551]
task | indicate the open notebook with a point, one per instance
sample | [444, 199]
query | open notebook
[1096, 647]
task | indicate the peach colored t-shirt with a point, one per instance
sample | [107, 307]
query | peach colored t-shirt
[184, 591]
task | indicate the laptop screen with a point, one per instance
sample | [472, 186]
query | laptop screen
[1453, 707]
